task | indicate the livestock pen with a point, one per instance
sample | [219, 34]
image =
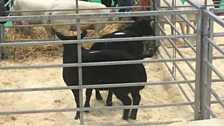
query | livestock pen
[185, 78]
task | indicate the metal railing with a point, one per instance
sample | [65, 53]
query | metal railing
[200, 63]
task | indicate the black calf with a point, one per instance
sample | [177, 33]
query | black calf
[109, 74]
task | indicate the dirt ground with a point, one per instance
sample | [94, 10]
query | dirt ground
[63, 99]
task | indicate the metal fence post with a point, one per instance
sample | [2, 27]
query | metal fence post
[155, 6]
[203, 73]
[80, 82]
[1, 41]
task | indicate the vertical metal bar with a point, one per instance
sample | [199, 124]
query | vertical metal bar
[79, 48]
[1, 40]
[205, 114]
[173, 18]
[156, 5]
[197, 108]
[209, 72]
[202, 97]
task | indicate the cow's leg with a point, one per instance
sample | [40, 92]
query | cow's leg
[109, 98]
[76, 95]
[88, 96]
[125, 99]
[98, 95]
[136, 100]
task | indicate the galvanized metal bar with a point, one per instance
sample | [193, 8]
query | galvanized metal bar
[80, 77]
[211, 67]
[209, 59]
[214, 17]
[93, 108]
[1, 40]
[74, 10]
[139, 123]
[29, 42]
[205, 94]
[193, 4]
[179, 52]
[215, 45]
[219, 34]
[179, 67]
[187, 42]
[215, 102]
[98, 15]
[212, 113]
[82, 24]
[219, 99]
[199, 70]
[181, 88]
[217, 80]
[204, 72]
[155, 5]
[191, 87]
[90, 64]
[181, 16]
[199, 78]
[218, 10]
[215, 70]
[218, 57]
[96, 86]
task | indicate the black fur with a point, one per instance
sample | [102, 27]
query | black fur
[108, 74]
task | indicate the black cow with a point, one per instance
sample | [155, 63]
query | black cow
[109, 74]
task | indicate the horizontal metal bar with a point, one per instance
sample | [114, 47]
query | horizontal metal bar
[98, 15]
[95, 86]
[73, 10]
[219, 34]
[92, 64]
[215, 101]
[92, 108]
[139, 123]
[217, 10]
[30, 42]
[217, 80]
[218, 58]
[81, 24]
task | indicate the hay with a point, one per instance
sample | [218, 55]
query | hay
[24, 52]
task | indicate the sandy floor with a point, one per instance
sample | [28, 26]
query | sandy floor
[151, 95]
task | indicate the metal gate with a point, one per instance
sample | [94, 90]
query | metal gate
[190, 63]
